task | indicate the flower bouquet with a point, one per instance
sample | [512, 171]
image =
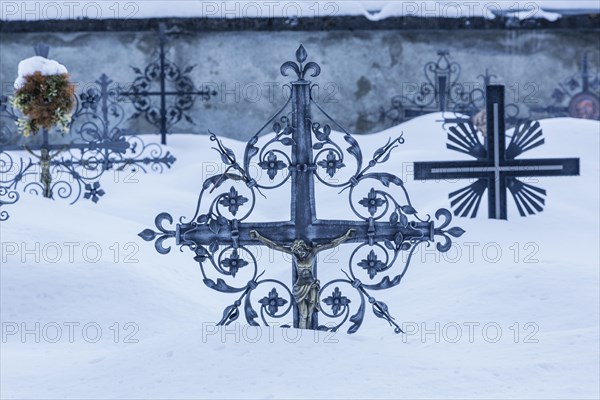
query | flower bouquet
[44, 95]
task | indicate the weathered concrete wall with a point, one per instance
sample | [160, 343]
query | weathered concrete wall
[362, 70]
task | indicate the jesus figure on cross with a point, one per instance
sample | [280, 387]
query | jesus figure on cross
[306, 288]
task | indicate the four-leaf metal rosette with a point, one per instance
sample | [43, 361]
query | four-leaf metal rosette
[302, 154]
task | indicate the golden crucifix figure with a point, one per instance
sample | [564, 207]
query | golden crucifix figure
[306, 288]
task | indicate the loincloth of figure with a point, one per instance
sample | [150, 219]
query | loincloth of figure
[308, 292]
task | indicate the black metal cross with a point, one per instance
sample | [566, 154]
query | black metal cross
[496, 168]
[211, 235]
[172, 82]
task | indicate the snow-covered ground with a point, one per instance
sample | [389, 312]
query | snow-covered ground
[515, 317]
[30, 10]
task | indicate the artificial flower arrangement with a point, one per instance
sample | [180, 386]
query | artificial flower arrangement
[44, 95]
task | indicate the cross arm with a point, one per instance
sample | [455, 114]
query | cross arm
[453, 170]
[234, 233]
[285, 232]
[371, 231]
[543, 167]
[481, 169]
[169, 93]
[119, 146]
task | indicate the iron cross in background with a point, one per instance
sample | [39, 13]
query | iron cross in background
[576, 97]
[434, 95]
[70, 166]
[173, 82]
[470, 105]
[301, 153]
[496, 167]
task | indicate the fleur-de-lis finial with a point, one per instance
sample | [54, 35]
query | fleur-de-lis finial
[299, 68]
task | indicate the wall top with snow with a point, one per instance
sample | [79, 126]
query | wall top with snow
[299, 15]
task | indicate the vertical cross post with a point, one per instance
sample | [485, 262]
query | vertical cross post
[162, 38]
[302, 198]
[496, 143]
[442, 76]
[46, 176]
[585, 74]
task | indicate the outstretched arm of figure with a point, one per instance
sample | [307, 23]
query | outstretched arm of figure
[336, 242]
[31, 152]
[269, 243]
[65, 147]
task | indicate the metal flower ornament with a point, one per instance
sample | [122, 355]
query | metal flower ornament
[304, 155]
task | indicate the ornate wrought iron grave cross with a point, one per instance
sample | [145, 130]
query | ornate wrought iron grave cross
[220, 242]
[435, 95]
[576, 97]
[173, 82]
[71, 167]
[496, 167]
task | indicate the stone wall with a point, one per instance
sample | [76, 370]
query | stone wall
[362, 69]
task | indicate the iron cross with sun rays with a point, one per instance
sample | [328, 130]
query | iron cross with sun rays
[496, 167]
[303, 153]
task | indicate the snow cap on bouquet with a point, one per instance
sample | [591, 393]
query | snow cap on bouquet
[43, 65]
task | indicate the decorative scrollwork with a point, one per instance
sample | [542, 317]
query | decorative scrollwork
[7, 197]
